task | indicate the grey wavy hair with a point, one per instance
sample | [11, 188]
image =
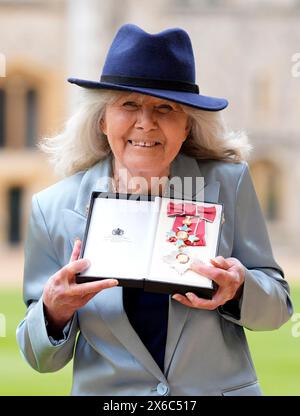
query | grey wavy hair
[81, 143]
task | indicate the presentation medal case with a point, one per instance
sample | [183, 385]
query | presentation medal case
[150, 242]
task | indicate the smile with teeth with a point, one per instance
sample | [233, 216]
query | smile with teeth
[143, 144]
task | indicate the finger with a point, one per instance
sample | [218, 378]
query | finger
[221, 298]
[71, 269]
[85, 299]
[220, 262]
[182, 299]
[200, 303]
[88, 297]
[84, 289]
[76, 250]
[220, 276]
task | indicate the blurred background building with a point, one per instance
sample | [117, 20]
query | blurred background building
[243, 52]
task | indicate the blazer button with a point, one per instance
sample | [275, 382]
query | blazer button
[162, 389]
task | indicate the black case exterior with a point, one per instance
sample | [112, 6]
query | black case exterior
[172, 288]
[147, 285]
[135, 283]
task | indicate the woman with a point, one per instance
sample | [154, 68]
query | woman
[147, 120]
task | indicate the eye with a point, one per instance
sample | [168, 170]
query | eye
[130, 105]
[164, 108]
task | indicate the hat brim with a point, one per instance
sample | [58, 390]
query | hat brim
[199, 101]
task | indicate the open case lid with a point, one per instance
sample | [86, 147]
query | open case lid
[131, 263]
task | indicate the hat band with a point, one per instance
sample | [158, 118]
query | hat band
[151, 83]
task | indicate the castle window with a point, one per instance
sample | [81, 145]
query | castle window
[14, 218]
[266, 180]
[31, 118]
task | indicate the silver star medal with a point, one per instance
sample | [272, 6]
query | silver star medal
[171, 234]
[192, 238]
[184, 228]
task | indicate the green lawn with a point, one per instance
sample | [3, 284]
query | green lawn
[17, 378]
[276, 355]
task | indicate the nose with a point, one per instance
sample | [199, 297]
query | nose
[145, 119]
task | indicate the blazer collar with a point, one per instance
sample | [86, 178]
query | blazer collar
[195, 186]
[184, 171]
[95, 179]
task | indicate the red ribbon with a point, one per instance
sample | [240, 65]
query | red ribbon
[189, 209]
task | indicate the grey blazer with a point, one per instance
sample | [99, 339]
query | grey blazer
[206, 351]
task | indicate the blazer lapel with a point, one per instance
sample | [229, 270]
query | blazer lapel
[188, 172]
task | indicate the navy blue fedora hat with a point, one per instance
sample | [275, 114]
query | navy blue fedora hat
[161, 65]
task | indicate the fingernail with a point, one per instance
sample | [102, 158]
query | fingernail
[217, 261]
[214, 260]
[189, 295]
[76, 240]
[87, 262]
[175, 297]
[114, 282]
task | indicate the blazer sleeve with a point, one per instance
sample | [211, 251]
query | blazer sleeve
[40, 264]
[265, 303]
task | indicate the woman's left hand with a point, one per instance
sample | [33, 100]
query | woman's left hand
[229, 274]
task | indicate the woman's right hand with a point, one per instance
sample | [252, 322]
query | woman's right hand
[62, 296]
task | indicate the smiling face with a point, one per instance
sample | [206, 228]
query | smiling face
[145, 133]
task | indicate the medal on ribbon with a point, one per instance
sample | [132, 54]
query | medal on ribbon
[188, 230]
